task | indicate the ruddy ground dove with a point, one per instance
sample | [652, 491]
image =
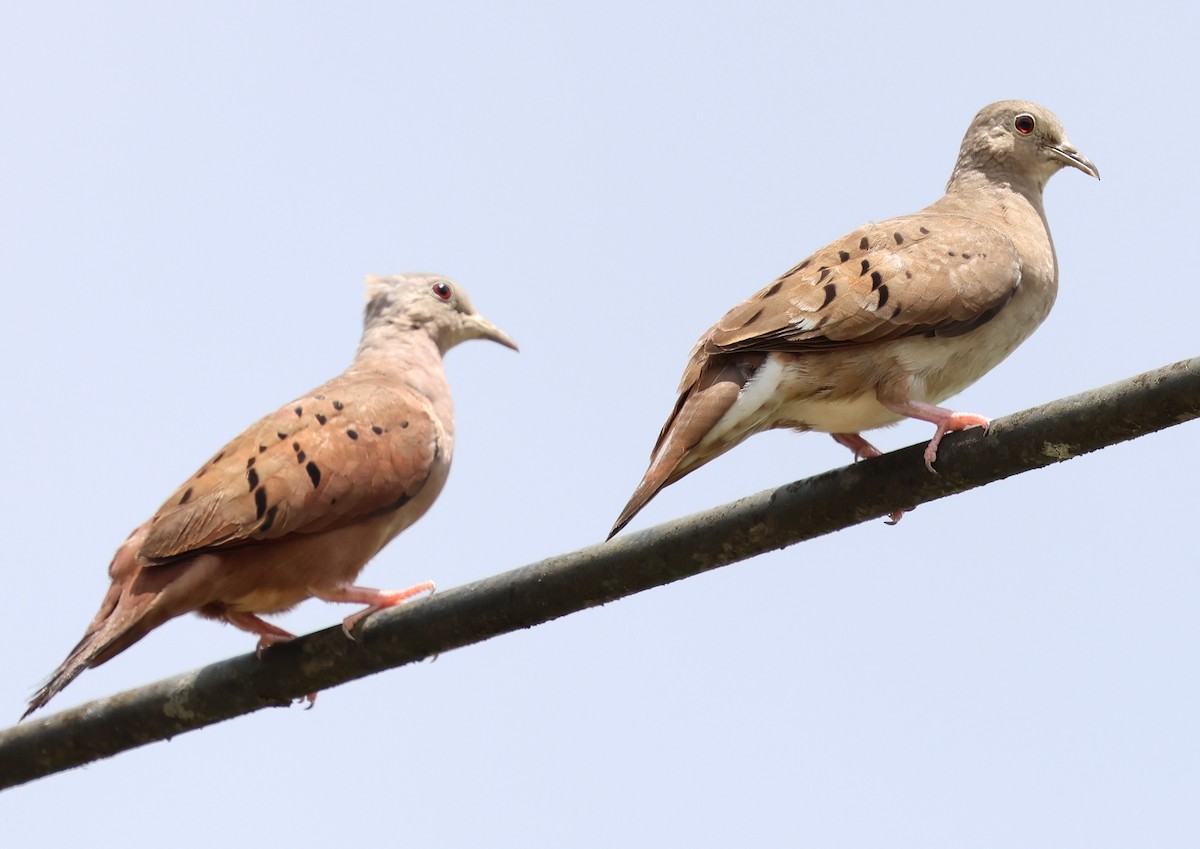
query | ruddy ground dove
[297, 504]
[888, 321]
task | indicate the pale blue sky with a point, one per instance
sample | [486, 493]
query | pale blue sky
[190, 196]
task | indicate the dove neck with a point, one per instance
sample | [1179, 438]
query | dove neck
[970, 184]
[407, 358]
[1011, 203]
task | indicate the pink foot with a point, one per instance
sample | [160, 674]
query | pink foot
[947, 421]
[268, 634]
[377, 599]
[949, 424]
[862, 449]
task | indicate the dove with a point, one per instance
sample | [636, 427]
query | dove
[888, 321]
[296, 505]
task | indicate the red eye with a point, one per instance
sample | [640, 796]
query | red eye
[442, 290]
[1024, 123]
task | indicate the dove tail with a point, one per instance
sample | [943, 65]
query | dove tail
[124, 618]
[115, 628]
[669, 463]
[641, 497]
[95, 640]
[678, 451]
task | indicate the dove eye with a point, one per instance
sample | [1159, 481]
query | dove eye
[442, 290]
[1024, 123]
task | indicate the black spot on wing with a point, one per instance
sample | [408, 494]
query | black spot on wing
[252, 479]
[876, 280]
[883, 296]
[863, 244]
[830, 294]
[187, 496]
[270, 520]
[843, 255]
[260, 502]
[314, 474]
[353, 434]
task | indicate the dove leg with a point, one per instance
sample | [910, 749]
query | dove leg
[268, 634]
[862, 449]
[377, 599]
[945, 420]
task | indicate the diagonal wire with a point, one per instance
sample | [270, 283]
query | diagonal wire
[561, 585]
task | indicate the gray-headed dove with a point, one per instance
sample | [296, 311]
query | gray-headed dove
[297, 504]
[888, 321]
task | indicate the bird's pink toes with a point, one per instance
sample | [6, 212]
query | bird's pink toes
[268, 634]
[268, 640]
[862, 449]
[377, 599]
[948, 424]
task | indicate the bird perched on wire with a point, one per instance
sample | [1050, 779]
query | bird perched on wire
[296, 505]
[888, 321]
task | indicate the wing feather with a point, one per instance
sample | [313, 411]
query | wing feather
[313, 465]
[926, 274]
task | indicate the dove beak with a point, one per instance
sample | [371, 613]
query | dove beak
[484, 329]
[1068, 155]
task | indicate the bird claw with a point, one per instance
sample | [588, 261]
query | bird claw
[376, 599]
[265, 641]
[950, 423]
[862, 449]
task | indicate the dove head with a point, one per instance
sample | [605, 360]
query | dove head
[430, 303]
[1017, 143]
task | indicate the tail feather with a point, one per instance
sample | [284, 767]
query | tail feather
[127, 614]
[650, 486]
[696, 414]
[117, 626]
[82, 656]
